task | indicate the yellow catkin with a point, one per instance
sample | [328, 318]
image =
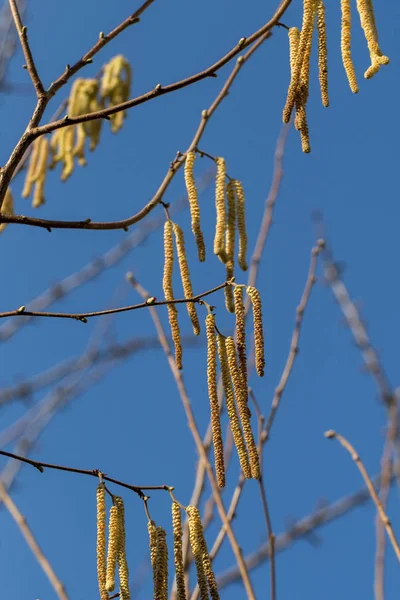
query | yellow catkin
[294, 37]
[346, 46]
[241, 224]
[213, 397]
[240, 333]
[152, 529]
[178, 556]
[305, 36]
[244, 413]
[230, 235]
[300, 121]
[185, 277]
[169, 292]
[196, 532]
[123, 571]
[367, 18]
[194, 204]
[322, 53]
[113, 547]
[7, 207]
[303, 89]
[115, 87]
[231, 409]
[255, 298]
[32, 166]
[196, 538]
[161, 566]
[39, 176]
[101, 541]
[219, 239]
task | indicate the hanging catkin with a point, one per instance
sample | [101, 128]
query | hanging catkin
[241, 223]
[161, 566]
[152, 529]
[36, 172]
[169, 292]
[346, 45]
[322, 53]
[300, 121]
[205, 574]
[219, 240]
[185, 277]
[123, 571]
[113, 546]
[240, 334]
[367, 18]
[178, 556]
[194, 204]
[213, 397]
[255, 298]
[303, 90]
[230, 235]
[305, 36]
[7, 207]
[101, 541]
[231, 409]
[241, 399]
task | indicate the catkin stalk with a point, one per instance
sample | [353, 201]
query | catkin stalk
[185, 277]
[101, 541]
[231, 409]
[113, 547]
[169, 292]
[178, 556]
[194, 204]
[213, 397]
[241, 399]
[219, 240]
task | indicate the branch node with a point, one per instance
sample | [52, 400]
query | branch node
[21, 310]
[241, 42]
[204, 114]
[101, 35]
[330, 434]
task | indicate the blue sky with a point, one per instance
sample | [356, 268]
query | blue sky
[132, 425]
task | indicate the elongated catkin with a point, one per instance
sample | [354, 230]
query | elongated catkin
[178, 556]
[241, 224]
[322, 53]
[194, 204]
[230, 235]
[169, 292]
[201, 554]
[185, 277]
[213, 397]
[123, 571]
[101, 541]
[231, 409]
[241, 399]
[7, 207]
[346, 45]
[161, 566]
[220, 207]
[113, 547]
[240, 334]
[367, 17]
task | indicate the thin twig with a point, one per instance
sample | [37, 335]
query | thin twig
[355, 456]
[199, 445]
[32, 543]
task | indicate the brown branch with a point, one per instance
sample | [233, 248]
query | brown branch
[23, 38]
[32, 543]
[110, 311]
[199, 444]
[32, 133]
[382, 514]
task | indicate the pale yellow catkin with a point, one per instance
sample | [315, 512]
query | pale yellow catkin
[244, 413]
[194, 204]
[113, 546]
[123, 570]
[32, 167]
[7, 207]
[230, 235]
[300, 121]
[185, 277]
[305, 36]
[231, 409]
[346, 45]
[255, 298]
[161, 566]
[196, 538]
[220, 207]
[39, 176]
[213, 397]
[240, 333]
[169, 292]
[115, 87]
[322, 53]
[303, 91]
[241, 224]
[194, 520]
[367, 17]
[101, 541]
[178, 556]
[152, 529]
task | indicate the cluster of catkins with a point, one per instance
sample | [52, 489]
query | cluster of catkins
[300, 45]
[159, 556]
[115, 554]
[233, 364]
[68, 143]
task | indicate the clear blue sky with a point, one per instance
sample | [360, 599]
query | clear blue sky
[132, 424]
